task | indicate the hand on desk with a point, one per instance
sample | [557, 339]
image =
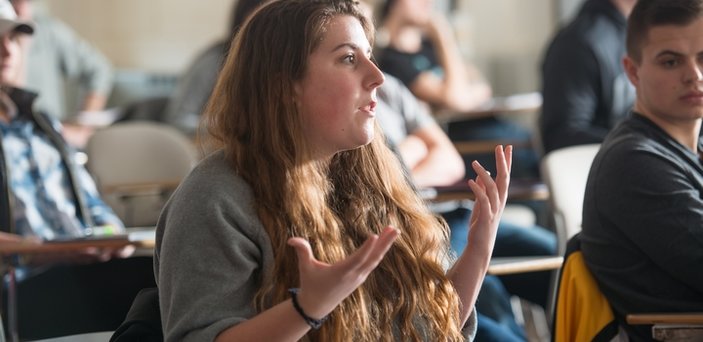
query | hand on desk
[7, 237]
[84, 256]
[77, 135]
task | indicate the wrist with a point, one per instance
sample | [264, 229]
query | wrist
[315, 321]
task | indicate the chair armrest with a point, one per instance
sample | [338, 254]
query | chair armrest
[516, 265]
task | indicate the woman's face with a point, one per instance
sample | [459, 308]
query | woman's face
[337, 94]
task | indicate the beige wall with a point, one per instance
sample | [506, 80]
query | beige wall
[154, 35]
[504, 37]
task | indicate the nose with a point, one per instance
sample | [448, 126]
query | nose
[695, 72]
[4, 46]
[375, 76]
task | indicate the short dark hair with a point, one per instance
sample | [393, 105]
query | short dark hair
[649, 13]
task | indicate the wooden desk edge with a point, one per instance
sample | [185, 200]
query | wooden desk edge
[130, 188]
[7, 249]
[537, 195]
[665, 318]
[513, 265]
[447, 116]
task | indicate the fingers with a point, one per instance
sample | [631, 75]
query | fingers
[124, 252]
[503, 165]
[302, 249]
[369, 254]
[504, 158]
[485, 186]
[481, 199]
[378, 249]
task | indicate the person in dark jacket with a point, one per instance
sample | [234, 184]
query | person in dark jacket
[584, 88]
[643, 208]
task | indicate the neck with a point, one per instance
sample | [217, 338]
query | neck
[684, 131]
[6, 107]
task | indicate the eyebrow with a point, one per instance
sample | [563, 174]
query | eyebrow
[668, 52]
[674, 53]
[350, 45]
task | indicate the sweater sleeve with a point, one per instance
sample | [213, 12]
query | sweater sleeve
[211, 256]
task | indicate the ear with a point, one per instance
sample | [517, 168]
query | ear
[297, 91]
[631, 68]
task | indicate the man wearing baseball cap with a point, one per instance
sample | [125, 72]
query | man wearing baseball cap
[9, 21]
[45, 195]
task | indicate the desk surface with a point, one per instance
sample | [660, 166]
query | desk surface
[666, 318]
[519, 190]
[139, 239]
[513, 104]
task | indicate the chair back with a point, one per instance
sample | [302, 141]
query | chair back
[137, 164]
[143, 321]
[565, 171]
[582, 312]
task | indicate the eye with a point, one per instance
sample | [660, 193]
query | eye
[13, 36]
[349, 58]
[669, 62]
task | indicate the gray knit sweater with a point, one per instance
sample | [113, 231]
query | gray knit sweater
[211, 254]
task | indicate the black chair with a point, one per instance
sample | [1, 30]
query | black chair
[77, 299]
[143, 321]
[148, 109]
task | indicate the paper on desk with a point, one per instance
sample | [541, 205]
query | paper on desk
[100, 118]
[513, 102]
[140, 234]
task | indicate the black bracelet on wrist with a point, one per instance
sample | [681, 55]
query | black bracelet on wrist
[313, 323]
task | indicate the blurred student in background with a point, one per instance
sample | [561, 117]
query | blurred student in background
[417, 45]
[584, 87]
[195, 86]
[47, 196]
[58, 57]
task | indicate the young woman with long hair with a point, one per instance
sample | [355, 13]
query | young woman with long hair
[302, 224]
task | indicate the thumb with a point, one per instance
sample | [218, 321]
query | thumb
[302, 250]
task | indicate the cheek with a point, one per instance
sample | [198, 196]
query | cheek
[327, 95]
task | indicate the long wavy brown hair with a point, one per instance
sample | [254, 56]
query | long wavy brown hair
[336, 204]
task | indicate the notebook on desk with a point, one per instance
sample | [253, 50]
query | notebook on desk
[106, 233]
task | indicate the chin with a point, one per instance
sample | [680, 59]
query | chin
[359, 143]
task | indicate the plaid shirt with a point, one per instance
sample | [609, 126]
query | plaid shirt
[43, 201]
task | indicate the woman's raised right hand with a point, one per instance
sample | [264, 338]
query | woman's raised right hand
[324, 286]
